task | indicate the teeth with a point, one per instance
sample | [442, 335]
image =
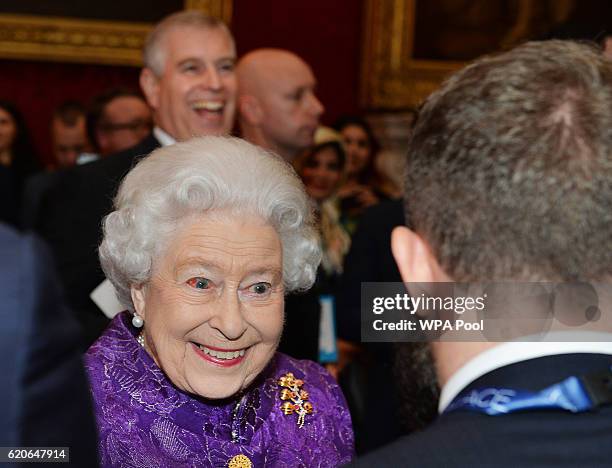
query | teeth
[222, 354]
[208, 105]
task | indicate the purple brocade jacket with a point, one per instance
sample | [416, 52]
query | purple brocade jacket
[144, 421]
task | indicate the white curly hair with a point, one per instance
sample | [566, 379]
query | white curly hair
[198, 177]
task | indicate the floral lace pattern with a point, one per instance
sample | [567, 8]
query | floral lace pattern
[144, 421]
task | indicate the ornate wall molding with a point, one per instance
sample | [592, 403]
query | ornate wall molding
[218, 8]
[391, 78]
[86, 41]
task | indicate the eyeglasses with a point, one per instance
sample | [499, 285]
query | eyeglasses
[133, 126]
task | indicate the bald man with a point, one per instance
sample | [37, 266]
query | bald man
[278, 109]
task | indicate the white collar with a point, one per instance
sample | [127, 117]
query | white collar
[163, 137]
[516, 351]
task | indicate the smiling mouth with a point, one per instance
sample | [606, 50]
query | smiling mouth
[222, 354]
[218, 356]
[208, 106]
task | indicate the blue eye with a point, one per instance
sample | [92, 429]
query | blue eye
[199, 283]
[261, 288]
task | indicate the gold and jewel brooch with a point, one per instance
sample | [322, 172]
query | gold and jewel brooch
[294, 397]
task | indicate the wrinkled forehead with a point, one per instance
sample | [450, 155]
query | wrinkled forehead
[224, 239]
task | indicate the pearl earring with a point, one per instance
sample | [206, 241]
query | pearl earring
[137, 320]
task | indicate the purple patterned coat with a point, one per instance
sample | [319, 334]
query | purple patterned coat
[144, 421]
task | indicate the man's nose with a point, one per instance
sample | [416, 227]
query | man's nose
[318, 173]
[316, 107]
[228, 317]
[212, 79]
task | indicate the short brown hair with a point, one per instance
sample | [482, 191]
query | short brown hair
[510, 166]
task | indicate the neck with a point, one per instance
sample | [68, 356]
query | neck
[450, 356]
[257, 137]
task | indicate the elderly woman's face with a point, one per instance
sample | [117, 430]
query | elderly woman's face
[213, 309]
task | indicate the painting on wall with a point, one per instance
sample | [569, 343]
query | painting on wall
[409, 46]
[88, 32]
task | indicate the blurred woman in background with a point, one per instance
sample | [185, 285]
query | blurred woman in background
[322, 169]
[365, 185]
[17, 161]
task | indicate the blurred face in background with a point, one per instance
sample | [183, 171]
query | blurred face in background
[321, 173]
[8, 131]
[195, 94]
[125, 122]
[358, 148]
[291, 110]
[69, 141]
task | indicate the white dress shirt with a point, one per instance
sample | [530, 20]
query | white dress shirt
[163, 137]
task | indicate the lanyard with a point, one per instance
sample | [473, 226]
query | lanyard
[575, 394]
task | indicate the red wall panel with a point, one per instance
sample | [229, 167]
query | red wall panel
[325, 33]
[38, 87]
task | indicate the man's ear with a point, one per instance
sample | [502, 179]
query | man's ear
[250, 109]
[138, 294]
[414, 259]
[149, 83]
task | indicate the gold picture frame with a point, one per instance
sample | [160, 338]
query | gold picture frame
[63, 39]
[391, 78]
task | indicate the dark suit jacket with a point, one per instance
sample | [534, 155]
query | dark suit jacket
[70, 220]
[44, 392]
[368, 384]
[553, 438]
[8, 200]
[369, 259]
[36, 188]
[301, 331]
